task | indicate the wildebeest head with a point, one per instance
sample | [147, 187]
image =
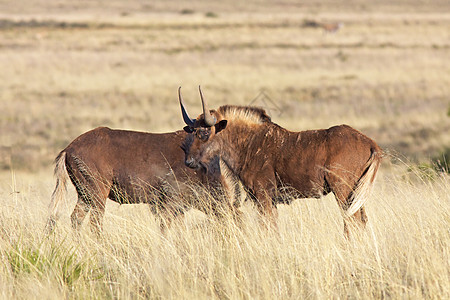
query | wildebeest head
[202, 131]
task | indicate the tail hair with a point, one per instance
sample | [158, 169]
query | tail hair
[364, 186]
[60, 190]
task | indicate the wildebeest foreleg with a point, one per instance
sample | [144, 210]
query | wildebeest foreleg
[229, 204]
[264, 191]
[266, 207]
[168, 217]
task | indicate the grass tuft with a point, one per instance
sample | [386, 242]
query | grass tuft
[53, 261]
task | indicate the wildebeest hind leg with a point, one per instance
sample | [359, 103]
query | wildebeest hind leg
[79, 213]
[93, 191]
[343, 192]
[96, 218]
[97, 193]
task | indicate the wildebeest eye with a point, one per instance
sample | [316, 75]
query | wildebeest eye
[203, 134]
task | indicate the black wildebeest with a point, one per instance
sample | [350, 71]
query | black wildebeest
[126, 167]
[266, 157]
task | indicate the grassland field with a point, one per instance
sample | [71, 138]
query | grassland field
[70, 66]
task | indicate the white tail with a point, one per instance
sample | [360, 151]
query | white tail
[364, 186]
[60, 190]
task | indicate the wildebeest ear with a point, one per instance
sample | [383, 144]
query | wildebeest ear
[188, 129]
[221, 125]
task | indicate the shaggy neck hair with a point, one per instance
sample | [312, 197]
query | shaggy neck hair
[233, 142]
[248, 114]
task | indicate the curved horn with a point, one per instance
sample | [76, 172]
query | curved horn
[189, 121]
[210, 120]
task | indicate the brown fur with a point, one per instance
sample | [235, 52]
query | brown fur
[267, 157]
[125, 166]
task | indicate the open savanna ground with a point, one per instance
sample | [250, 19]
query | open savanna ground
[69, 66]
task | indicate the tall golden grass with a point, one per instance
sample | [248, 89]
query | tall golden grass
[403, 253]
[67, 67]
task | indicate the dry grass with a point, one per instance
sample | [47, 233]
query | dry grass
[69, 66]
[402, 254]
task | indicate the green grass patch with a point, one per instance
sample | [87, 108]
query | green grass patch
[54, 260]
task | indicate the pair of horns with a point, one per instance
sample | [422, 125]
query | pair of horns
[210, 120]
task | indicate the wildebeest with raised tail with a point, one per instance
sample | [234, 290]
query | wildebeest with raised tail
[266, 157]
[126, 167]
